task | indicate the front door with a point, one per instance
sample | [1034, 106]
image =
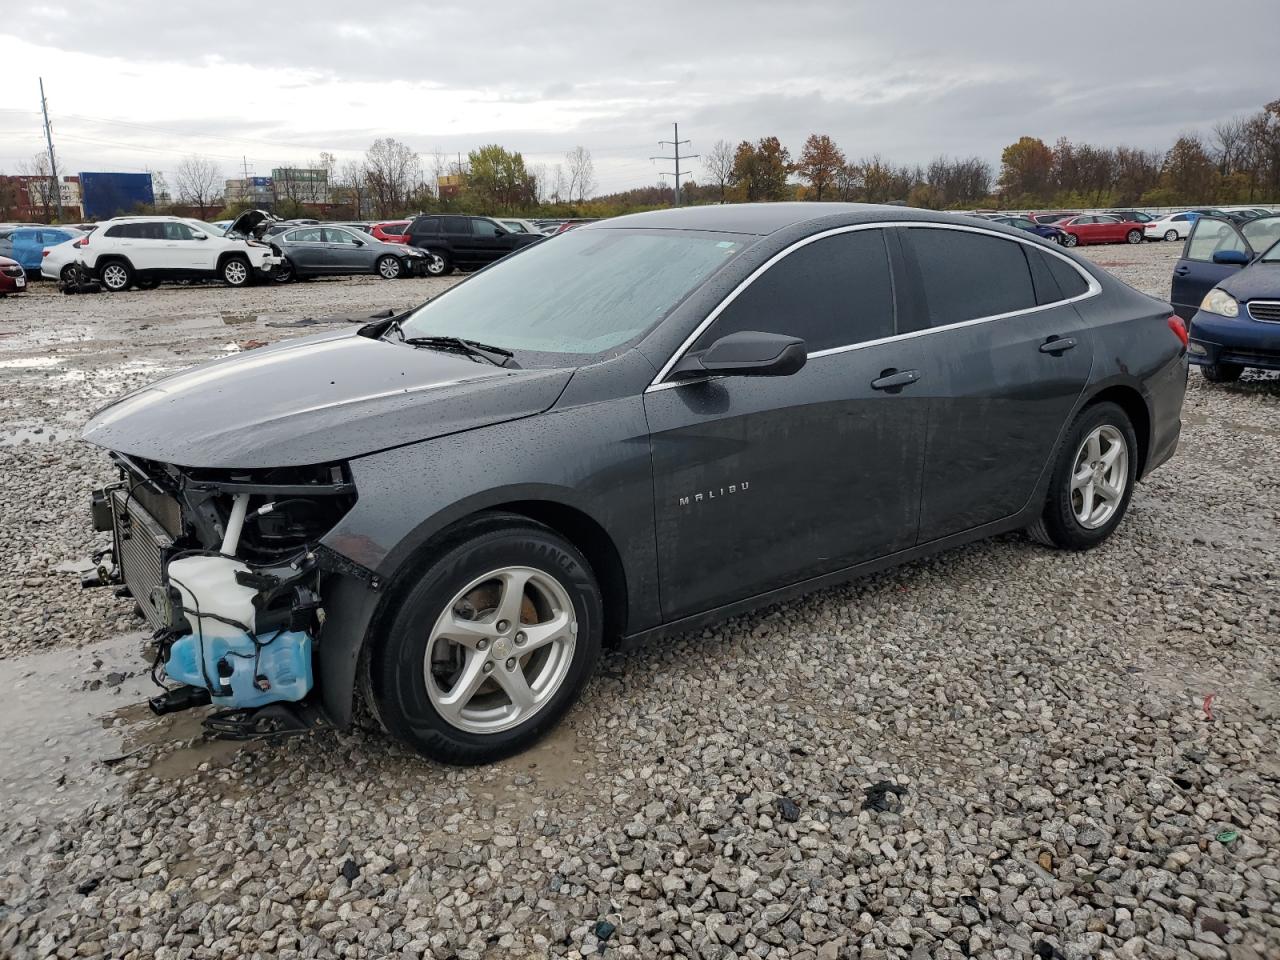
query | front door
[1009, 355]
[1196, 272]
[764, 481]
[345, 252]
[489, 241]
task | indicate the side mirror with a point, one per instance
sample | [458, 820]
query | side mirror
[744, 354]
[199, 236]
[1231, 258]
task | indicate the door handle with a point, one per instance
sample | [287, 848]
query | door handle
[892, 379]
[1056, 345]
[1181, 271]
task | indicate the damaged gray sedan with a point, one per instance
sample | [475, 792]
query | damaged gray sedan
[636, 427]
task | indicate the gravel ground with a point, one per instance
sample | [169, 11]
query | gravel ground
[1059, 785]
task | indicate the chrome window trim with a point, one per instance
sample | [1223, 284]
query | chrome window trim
[1270, 303]
[1094, 288]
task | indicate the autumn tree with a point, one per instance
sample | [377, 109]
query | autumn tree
[760, 170]
[1189, 172]
[1026, 169]
[820, 164]
[499, 180]
[393, 171]
[719, 165]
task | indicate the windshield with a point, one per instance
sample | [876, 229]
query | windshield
[583, 292]
[211, 229]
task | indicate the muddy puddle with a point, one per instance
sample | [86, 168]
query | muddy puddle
[75, 725]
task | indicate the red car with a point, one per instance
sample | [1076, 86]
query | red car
[1099, 228]
[1048, 218]
[392, 231]
[13, 279]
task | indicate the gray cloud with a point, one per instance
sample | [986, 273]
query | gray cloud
[907, 81]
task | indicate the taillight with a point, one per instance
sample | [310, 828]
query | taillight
[82, 242]
[44, 254]
[1179, 328]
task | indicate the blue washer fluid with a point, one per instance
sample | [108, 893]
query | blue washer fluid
[284, 660]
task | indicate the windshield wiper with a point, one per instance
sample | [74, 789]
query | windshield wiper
[472, 348]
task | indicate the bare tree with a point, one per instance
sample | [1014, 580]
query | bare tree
[39, 188]
[1230, 144]
[582, 173]
[394, 170]
[719, 164]
[352, 182]
[199, 183]
[558, 185]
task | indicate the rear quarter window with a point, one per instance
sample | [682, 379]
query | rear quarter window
[1070, 283]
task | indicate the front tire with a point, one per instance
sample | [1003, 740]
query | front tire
[389, 267]
[284, 272]
[1092, 480]
[438, 264]
[490, 647]
[1134, 236]
[236, 272]
[1171, 234]
[1222, 372]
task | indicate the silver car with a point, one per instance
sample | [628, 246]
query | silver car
[324, 250]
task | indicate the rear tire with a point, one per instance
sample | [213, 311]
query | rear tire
[1070, 240]
[1171, 235]
[497, 683]
[1134, 236]
[236, 272]
[1092, 482]
[1222, 372]
[117, 276]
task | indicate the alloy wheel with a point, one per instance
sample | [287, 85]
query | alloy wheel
[115, 276]
[1135, 236]
[500, 650]
[435, 265]
[235, 272]
[1099, 474]
[1070, 240]
[1171, 234]
[389, 268]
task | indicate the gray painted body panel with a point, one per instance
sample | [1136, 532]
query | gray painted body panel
[832, 478]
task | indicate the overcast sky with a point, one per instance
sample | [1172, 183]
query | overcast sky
[139, 84]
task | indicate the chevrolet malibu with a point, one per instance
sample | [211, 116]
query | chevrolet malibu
[637, 427]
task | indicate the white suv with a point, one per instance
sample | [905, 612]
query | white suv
[142, 251]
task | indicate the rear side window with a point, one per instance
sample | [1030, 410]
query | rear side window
[116, 231]
[966, 276]
[455, 224]
[1070, 283]
[833, 292]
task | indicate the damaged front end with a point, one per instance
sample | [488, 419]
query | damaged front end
[227, 568]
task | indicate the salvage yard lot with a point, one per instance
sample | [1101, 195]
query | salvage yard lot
[1086, 743]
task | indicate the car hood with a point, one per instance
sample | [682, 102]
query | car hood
[316, 400]
[250, 223]
[1258, 281]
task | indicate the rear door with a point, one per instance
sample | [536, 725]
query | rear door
[145, 245]
[306, 249]
[991, 310]
[457, 235]
[760, 482]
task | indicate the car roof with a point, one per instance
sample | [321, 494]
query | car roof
[766, 218]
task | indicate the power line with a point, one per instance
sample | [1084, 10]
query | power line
[675, 144]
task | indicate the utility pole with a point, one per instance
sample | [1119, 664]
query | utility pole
[54, 183]
[675, 144]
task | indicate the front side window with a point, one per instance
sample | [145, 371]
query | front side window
[833, 292]
[586, 293]
[334, 235]
[1210, 236]
[966, 276]
[177, 231]
[486, 229]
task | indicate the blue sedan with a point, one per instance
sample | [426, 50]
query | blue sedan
[1227, 284]
[29, 244]
[1046, 230]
